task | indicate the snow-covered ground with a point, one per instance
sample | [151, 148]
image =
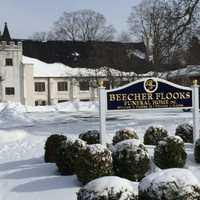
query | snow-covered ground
[24, 130]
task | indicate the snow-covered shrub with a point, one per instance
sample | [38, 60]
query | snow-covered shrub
[51, 145]
[91, 137]
[124, 134]
[93, 162]
[185, 131]
[108, 188]
[197, 151]
[170, 153]
[170, 184]
[67, 155]
[154, 134]
[130, 160]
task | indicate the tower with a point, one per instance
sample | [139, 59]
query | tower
[11, 69]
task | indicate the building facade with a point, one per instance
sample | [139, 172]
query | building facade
[33, 82]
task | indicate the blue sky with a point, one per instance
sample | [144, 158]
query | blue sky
[27, 16]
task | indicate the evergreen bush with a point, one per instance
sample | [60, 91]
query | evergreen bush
[67, 155]
[185, 131]
[91, 137]
[130, 160]
[108, 188]
[154, 134]
[124, 134]
[170, 184]
[51, 145]
[170, 153]
[197, 151]
[93, 162]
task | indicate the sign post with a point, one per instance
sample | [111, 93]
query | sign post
[195, 99]
[102, 113]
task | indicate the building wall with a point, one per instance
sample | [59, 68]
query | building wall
[28, 85]
[52, 96]
[11, 75]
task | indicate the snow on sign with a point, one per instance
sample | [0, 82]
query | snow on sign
[149, 93]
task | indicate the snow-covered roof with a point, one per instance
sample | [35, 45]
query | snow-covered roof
[190, 70]
[42, 69]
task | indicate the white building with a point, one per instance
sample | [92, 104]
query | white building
[33, 82]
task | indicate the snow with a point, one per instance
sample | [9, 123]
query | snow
[103, 185]
[190, 70]
[182, 178]
[42, 69]
[12, 136]
[126, 143]
[24, 130]
[97, 149]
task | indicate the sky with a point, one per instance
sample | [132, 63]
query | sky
[24, 17]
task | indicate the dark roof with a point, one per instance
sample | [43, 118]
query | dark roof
[6, 35]
[90, 54]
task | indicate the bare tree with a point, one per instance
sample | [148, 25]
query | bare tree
[163, 25]
[124, 37]
[39, 36]
[83, 25]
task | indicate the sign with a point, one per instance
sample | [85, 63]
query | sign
[148, 94]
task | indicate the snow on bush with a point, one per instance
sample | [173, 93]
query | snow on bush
[154, 134]
[91, 137]
[67, 155]
[93, 162]
[170, 153]
[124, 134]
[170, 184]
[185, 131]
[197, 151]
[51, 145]
[130, 160]
[108, 188]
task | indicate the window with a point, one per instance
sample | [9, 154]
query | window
[84, 100]
[39, 86]
[61, 101]
[9, 90]
[62, 86]
[84, 85]
[40, 103]
[9, 62]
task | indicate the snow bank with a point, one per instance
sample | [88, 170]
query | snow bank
[12, 136]
[13, 114]
[76, 106]
[17, 109]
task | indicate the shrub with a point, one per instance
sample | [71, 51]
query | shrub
[153, 135]
[124, 134]
[170, 153]
[67, 155]
[51, 145]
[170, 184]
[95, 161]
[185, 131]
[91, 137]
[197, 151]
[108, 188]
[130, 160]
